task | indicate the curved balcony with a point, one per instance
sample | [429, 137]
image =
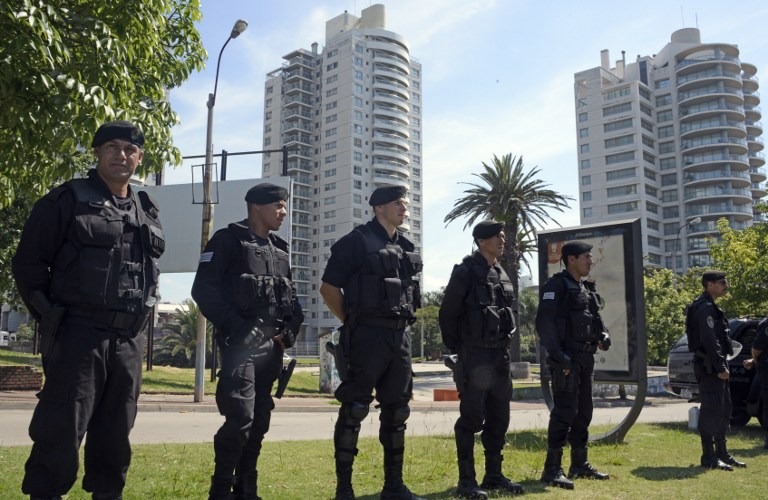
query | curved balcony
[757, 174]
[294, 140]
[754, 127]
[753, 113]
[380, 74]
[693, 96]
[299, 60]
[391, 167]
[299, 86]
[289, 113]
[389, 58]
[393, 126]
[734, 111]
[294, 75]
[755, 143]
[756, 158]
[707, 76]
[390, 153]
[392, 48]
[699, 160]
[728, 55]
[386, 67]
[391, 100]
[738, 178]
[751, 98]
[298, 100]
[296, 126]
[714, 141]
[390, 87]
[692, 129]
[301, 153]
[391, 113]
[738, 212]
[392, 139]
[710, 226]
[383, 179]
[714, 192]
[758, 191]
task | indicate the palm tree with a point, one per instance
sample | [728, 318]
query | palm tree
[177, 347]
[519, 200]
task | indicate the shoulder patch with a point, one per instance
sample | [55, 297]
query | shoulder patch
[206, 257]
[710, 322]
[548, 296]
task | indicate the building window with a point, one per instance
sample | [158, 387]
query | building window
[585, 164]
[358, 102]
[583, 117]
[670, 212]
[649, 157]
[653, 241]
[667, 164]
[587, 212]
[619, 141]
[669, 179]
[620, 208]
[357, 142]
[268, 115]
[618, 108]
[647, 141]
[651, 207]
[584, 148]
[586, 196]
[664, 100]
[357, 170]
[619, 157]
[666, 131]
[664, 116]
[649, 174]
[332, 66]
[331, 118]
[358, 74]
[613, 192]
[666, 147]
[330, 172]
[357, 184]
[624, 173]
[358, 156]
[618, 125]
[358, 129]
[586, 180]
[584, 132]
[331, 105]
[357, 199]
[662, 84]
[329, 228]
[330, 186]
[616, 93]
[331, 200]
[330, 159]
[330, 145]
[651, 191]
[358, 88]
[667, 196]
[330, 132]
[331, 79]
[652, 224]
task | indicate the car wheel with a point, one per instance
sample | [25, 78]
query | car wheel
[740, 417]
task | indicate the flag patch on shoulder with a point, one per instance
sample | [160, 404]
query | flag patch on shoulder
[548, 296]
[206, 257]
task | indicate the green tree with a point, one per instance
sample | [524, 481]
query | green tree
[666, 298]
[509, 194]
[67, 66]
[743, 255]
[179, 345]
[526, 328]
[12, 219]
[433, 342]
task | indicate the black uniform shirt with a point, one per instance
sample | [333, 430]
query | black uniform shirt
[45, 232]
[213, 292]
[349, 253]
[452, 308]
[709, 320]
[761, 341]
[552, 301]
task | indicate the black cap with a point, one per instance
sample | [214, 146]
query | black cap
[263, 194]
[384, 195]
[575, 248]
[119, 129]
[487, 229]
[711, 276]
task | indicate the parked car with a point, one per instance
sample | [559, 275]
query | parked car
[745, 386]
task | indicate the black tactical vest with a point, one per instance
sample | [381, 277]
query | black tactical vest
[582, 315]
[722, 330]
[261, 286]
[385, 286]
[488, 318]
[100, 265]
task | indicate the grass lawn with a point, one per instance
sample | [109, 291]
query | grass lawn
[657, 461]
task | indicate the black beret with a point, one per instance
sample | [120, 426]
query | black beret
[711, 276]
[263, 194]
[119, 129]
[384, 195]
[575, 248]
[486, 229]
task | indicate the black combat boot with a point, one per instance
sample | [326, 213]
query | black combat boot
[580, 466]
[553, 474]
[709, 457]
[246, 486]
[721, 450]
[394, 488]
[467, 487]
[221, 488]
[344, 489]
[494, 479]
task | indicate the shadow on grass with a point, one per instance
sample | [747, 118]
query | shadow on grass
[664, 473]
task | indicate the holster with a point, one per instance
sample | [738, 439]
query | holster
[51, 318]
[562, 382]
[284, 377]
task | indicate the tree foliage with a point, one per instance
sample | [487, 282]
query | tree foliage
[433, 342]
[743, 255]
[666, 297]
[179, 345]
[509, 194]
[68, 66]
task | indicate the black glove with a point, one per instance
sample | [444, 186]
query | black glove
[559, 360]
[605, 343]
[247, 334]
[288, 338]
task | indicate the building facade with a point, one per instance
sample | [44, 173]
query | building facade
[675, 139]
[350, 116]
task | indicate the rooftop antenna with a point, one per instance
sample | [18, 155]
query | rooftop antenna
[682, 16]
[697, 20]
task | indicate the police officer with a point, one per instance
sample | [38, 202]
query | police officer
[85, 267]
[571, 330]
[243, 286]
[477, 323]
[760, 361]
[370, 284]
[709, 340]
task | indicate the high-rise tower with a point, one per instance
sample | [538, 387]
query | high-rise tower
[673, 138]
[350, 116]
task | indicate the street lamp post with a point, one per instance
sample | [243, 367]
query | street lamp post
[690, 223]
[237, 29]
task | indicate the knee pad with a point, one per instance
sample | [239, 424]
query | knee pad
[355, 411]
[401, 414]
[393, 419]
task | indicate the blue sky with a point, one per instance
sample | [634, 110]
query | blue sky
[497, 79]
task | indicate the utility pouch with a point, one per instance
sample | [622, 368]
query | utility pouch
[393, 289]
[562, 382]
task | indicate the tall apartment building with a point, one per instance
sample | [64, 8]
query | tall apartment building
[351, 118]
[673, 138]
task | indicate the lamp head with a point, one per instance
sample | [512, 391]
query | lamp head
[693, 221]
[240, 26]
